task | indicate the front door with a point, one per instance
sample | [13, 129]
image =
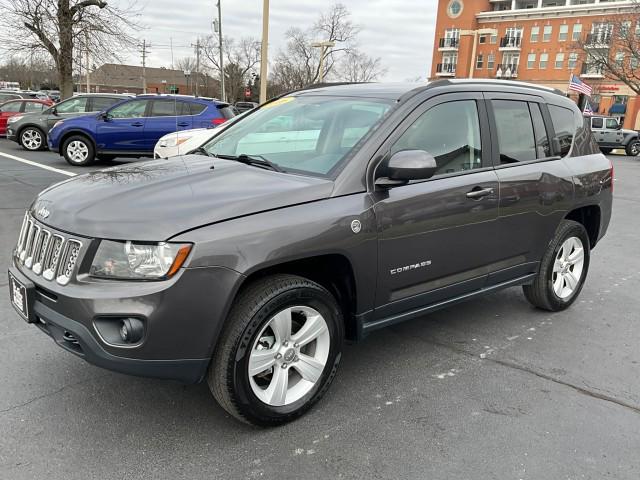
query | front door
[435, 236]
[122, 129]
[612, 134]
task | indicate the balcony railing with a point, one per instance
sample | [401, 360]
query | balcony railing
[591, 71]
[511, 42]
[446, 69]
[507, 70]
[449, 42]
[598, 40]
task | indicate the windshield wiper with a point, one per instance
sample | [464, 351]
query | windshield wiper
[255, 160]
[200, 151]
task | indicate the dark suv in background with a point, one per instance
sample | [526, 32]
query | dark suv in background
[323, 215]
[31, 130]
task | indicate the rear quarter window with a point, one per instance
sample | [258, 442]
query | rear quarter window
[197, 108]
[564, 125]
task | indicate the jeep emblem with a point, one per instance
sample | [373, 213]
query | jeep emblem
[42, 212]
[356, 226]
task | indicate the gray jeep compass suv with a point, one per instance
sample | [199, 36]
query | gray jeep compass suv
[318, 217]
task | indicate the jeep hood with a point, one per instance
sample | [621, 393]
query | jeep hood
[156, 200]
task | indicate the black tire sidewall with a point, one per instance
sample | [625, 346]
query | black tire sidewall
[42, 135]
[572, 230]
[628, 148]
[91, 151]
[246, 401]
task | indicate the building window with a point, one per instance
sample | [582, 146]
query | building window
[480, 61]
[573, 60]
[535, 33]
[577, 32]
[531, 60]
[625, 27]
[634, 63]
[493, 39]
[491, 60]
[455, 8]
[482, 39]
[546, 33]
[638, 29]
[619, 58]
[544, 59]
[559, 60]
[563, 33]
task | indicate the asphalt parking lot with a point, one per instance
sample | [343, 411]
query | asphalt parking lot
[490, 389]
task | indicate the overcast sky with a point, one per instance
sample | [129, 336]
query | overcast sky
[400, 32]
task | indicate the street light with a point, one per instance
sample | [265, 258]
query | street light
[475, 33]
[323, 46]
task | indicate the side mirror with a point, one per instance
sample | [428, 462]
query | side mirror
[405, 166]
[557, 147]
[54, 111]
[619, 127]
[105, 116]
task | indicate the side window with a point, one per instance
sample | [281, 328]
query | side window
[596, 122]
[73, 105]
[542, 141]
[183, 108]
[99, 104]
[30, 107]
[564, 124]
[612, 123]
[197, 108]
[12, 107]
[133, 109]
[516, 139]
[163, 109]
[455, 149]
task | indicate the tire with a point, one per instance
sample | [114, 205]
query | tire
[606, 151]
[33, 139]
[78, 151]
[249, 330]
[558, 270]
[633, 148]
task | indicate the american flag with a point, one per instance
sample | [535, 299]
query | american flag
[579, 86]
[588, 111]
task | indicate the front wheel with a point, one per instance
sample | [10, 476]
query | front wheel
[78, 151]
[278, 352]
[32, 139]
[633, 148]
[563, 269]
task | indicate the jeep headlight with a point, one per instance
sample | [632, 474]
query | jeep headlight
[139, 261]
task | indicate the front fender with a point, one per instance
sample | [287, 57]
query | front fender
[254, 242]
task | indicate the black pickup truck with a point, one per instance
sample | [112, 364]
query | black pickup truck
[316, 218]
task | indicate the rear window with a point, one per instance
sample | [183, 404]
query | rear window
[564, 124]
[516, 137]
[596, 122]
[227, 112]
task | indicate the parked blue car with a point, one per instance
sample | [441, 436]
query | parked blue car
[132, 128]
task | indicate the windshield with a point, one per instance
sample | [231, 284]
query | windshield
[308, 134]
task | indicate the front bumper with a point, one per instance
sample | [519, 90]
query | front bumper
[182, 319]
[11, 134]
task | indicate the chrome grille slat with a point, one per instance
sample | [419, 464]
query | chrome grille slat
[52, 255]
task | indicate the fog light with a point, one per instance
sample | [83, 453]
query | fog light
[131, 330]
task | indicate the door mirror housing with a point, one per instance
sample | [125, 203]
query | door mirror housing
[407, 165]
[105, 116]
[619, 126]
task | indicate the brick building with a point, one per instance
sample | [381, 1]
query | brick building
[534, 41]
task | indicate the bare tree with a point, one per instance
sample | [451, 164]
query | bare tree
[60, 26]
[613, 50]
[357, 66]
[31, 71]
[298, 65]
[186, 64]
[240, 60]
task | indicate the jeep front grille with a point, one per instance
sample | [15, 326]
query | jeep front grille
[49, 254]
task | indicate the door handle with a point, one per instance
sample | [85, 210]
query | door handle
[478, 192]
[183, 124]
[137, 124]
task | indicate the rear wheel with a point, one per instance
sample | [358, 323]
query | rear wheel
[279, 350]
[563, 269]
[78, 150]
[633, 148]
[32, 139]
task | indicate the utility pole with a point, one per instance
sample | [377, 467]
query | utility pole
[198, 46]
[324, 46]
[223, 95]
[144, 65]
[86, 58]
[264, 49]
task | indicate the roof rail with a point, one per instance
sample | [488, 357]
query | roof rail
[489, 81]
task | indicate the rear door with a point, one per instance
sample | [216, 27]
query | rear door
[597, 127]
[436, 236]
[7, 110]
[535, 184]
[122, 130]
[166, 116]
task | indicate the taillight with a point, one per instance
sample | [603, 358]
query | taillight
[218, 121]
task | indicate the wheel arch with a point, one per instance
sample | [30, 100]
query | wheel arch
[70, 133]
[30, 125]
[590, 217]
[333, 271]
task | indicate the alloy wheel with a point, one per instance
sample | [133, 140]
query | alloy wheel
[289, 355]
[77, 151]
[567, 267]
[31, 139]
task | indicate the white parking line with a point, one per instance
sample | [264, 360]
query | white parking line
[36, 164]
